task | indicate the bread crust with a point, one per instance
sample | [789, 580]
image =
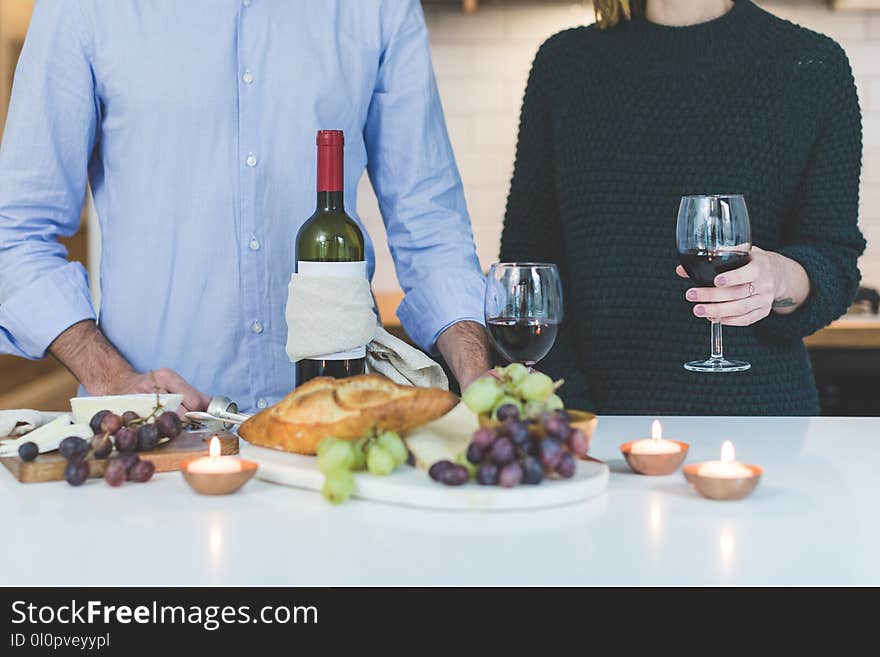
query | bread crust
[348, 409]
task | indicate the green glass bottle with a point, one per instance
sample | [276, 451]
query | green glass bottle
[330, 243]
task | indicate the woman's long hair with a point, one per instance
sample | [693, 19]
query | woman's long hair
[610, 12]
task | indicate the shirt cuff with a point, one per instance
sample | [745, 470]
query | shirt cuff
[819, 309]
[38, 313]
[441, 299]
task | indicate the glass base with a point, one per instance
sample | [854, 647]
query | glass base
[717, 365]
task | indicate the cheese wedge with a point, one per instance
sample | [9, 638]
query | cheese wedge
[48, 436]
[443, 438]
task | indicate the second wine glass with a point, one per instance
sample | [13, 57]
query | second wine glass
[713, 236]
[523, 309]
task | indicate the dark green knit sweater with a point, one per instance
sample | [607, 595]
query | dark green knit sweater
[616, 126]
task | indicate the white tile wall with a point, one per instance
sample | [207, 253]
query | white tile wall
[482, 62]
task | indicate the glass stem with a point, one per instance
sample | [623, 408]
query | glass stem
[717, 344]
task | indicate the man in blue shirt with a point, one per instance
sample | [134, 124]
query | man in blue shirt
[195, 124]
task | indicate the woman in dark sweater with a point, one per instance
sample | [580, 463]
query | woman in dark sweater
[623, 118]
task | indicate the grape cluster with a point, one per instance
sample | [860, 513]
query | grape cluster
[531, 393]
[339, 459]
[128, 433]
[509, 454]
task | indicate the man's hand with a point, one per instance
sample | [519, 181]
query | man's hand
[102, 370]
[466, 351]
[770, 282]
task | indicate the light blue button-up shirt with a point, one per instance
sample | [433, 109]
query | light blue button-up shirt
[195, 123]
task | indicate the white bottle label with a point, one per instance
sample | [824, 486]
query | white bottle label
[357, 269]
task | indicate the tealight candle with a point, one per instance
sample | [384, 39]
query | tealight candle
[727, 468]
[654, 455]
[656, 443]
[727, 479]
[214, 463]
[216, 474]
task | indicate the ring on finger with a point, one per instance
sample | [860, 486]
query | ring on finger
[751, 289]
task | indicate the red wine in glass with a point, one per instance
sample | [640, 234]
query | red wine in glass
[704, 266]
[522, 340]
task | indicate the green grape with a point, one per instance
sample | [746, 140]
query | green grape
[553, 402]
[507, 399]
[533, 409]
[379, 460]
[338, 456]
[481, 395]
[325, 444]
[537, 386]
[360, 455]
[517, 372]
[338, 486]
[461, 459]
[395, 445]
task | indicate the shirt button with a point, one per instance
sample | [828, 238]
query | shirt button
[248, 77]
[261, 403]
[247, 3]
[257, 327]
[254, 244]
[251, 160]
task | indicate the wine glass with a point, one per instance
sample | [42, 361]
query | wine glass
[523, 309]
[713, 237]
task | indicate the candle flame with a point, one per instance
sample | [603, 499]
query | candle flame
[728, 454]
[656, 430]
[214, 447]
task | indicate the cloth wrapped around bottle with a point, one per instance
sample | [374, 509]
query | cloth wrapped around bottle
[327, 315]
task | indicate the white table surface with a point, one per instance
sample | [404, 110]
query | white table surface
[814, 519]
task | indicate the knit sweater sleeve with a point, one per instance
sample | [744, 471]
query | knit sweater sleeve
[822, 232]
[531, 224]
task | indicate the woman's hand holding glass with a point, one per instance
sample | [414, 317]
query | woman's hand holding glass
[750, 293]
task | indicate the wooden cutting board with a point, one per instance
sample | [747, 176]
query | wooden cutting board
[168, 457]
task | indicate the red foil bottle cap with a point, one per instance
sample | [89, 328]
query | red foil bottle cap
[330, 160]
[330, 138]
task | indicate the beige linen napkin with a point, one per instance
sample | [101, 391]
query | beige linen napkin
[403, 363]
[327, 315]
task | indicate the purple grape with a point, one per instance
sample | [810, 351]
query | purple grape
[533, 447]
[73, 448]
[454, 476]
[95, 422]
[115, 473]
[533, 471]
[126, 440]
[550, 453]
[141, 471]
[517, 431]
[578, 443]
[111, 423]
[169, 425]
[475, 453]
[510, 475]
[101, 445]
[147, 437]
[439, 467]
[487, 474]
[502, 451]
[554, 426]
[567, 466]
[130, 416]
[28, 451]
[76, 472]
[507, 412]
[483, 437]
[128, 459]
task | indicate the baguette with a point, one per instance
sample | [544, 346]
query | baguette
[348, 409]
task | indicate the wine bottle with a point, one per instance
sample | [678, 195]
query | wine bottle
[330, 243]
